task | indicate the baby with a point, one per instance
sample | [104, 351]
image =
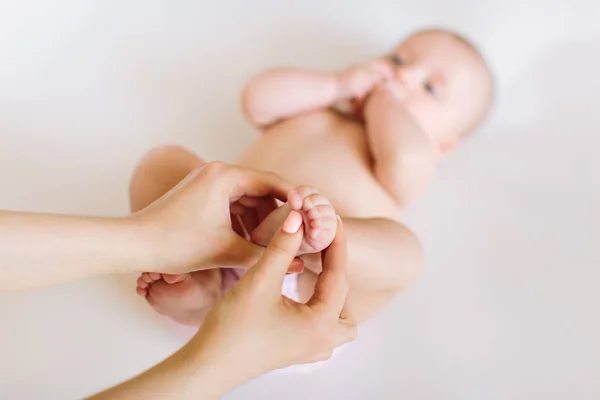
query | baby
[366, 140]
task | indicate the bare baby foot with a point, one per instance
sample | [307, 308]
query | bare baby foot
[319, 216]
[185, 298]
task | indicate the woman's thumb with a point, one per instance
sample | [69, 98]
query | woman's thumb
[282, 249]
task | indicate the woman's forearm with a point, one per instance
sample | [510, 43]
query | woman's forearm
[187, 374]
[44, 249]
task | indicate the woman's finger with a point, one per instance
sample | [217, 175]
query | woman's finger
[234, 251]
[247, 182]
[331, 288]
[238, 227]
[265, 207]
[281, 251]
[237, 251]
[250, 219]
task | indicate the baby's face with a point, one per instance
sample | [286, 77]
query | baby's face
[445, 85]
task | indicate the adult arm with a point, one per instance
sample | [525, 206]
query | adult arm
[170, 235]
[279, 333]
[44, 249]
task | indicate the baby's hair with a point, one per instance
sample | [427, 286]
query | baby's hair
[469, 44]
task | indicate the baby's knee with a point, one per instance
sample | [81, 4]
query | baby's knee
[408, 267]
[159, 171]
[169, 154]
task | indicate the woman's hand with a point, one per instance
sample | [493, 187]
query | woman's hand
[255, 329]
[190, 227]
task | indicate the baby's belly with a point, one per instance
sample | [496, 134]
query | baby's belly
[328, 152]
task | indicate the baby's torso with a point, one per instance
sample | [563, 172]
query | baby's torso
[328, 151]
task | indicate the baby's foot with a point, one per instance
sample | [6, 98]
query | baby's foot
[185, 298]
[319, 216]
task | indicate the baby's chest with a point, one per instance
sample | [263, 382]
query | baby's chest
[329, 155]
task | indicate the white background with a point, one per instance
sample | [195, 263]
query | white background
[507, 305]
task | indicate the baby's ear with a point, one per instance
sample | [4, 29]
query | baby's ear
[447, 145]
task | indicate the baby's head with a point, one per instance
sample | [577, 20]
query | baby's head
[447, 84]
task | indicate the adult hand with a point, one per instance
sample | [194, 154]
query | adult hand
[256, 329]
[190, 227]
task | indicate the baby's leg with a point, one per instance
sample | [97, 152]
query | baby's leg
[185, 298]
[319, 220]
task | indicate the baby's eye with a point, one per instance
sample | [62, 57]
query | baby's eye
[429, 88]
[396, 60]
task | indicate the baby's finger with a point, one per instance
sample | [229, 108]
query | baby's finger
[384, 69]
[281, 251]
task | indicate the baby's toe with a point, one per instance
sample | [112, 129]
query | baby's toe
[141, 284]
[319, 211]
[323, 228]
[146, 278]
[315, 200]
[320, 220]
[297, 197]
[154, 276]
[319, 214]
[172, 279]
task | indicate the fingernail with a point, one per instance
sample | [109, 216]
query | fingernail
[292, 222]
[295, 270]
[339, 219]
[296, 267]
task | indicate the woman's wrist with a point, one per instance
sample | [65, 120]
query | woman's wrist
[44, 249]
[187, 374]
[129, 244]
[146, 247]
[213, 372]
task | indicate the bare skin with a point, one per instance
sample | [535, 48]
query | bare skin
[187, 298]
[409, 108]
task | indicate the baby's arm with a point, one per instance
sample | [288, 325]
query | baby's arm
[278, 94]
[404, 156]
[281, 93]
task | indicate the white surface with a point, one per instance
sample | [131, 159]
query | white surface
[507, 305]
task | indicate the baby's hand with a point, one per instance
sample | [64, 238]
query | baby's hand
[385, 96]
[392, 88]
[360, 80]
